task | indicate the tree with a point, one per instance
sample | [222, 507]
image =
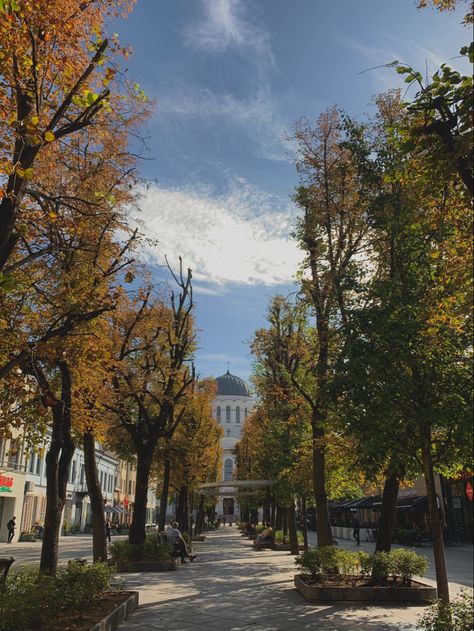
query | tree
[154, 345]
[54, 84]
[331, 232]
[406, 362]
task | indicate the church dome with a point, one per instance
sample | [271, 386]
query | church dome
[231, 385]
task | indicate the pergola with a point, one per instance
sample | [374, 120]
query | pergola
[237, 488]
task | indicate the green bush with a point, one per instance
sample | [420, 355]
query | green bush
[457, 616]
[32, 600]
[322, 562]
[407, 563]
[151, 550]
[280, 539]
[318, 562]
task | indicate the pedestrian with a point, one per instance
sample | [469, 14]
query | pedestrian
[356, 530]
[176, 542]
[107, 530]
[223, 521]
[11, 529]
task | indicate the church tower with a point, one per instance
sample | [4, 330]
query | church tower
[231, 407]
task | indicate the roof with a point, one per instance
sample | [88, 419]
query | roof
[231, 385]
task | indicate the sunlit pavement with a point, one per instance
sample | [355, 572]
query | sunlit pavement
[231, 587]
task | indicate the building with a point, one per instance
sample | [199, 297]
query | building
[12, 482]
[231, 407]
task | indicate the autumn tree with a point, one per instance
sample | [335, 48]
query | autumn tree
[194, 453]
[54, 82]
[154, 344]
[331, 233]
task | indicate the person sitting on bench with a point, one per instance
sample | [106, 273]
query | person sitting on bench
[266, 536]
[176, 542]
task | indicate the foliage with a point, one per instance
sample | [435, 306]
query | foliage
[321, 563]
[33, 600]
[455, 616]
[152, 549]
[279, 538]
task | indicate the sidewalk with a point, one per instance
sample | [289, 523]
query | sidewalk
[233, 588]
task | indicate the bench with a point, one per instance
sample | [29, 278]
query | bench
[5, 565]
[266, 544]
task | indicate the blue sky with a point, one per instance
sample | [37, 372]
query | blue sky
[230, 77]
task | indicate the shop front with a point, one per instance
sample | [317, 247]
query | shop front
[12, 491]
[458, 495]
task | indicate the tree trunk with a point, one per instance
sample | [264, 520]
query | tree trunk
[305, 523]
[99, 541]
[199, 517]
[182, 511]
[284, 522]
[292, 529]
[164, 494]
[435, 523]
[273, 515]
[387, 516]
[323, 524]
[58, 460]
[278, 518]
[137, 532]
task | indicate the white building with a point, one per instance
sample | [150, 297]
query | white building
[231, 407]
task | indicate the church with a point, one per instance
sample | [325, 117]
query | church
[231, 407]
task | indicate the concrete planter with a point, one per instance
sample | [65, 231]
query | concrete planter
[285, 547]
[146, 566]
[113, 619]
[417, 593]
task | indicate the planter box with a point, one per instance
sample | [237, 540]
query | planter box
[112, 620]
[417, 593]
[147, 566]
[26, 536]
[285, 547]
[198, 538]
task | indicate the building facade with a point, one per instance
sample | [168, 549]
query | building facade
[12, 482]
[231, 407]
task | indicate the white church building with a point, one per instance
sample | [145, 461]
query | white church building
[231, 407]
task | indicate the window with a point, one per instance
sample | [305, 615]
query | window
[218, 412]
[237, 414]
[101, 479]
[39, 462]
[245, 413]
[227, 414]
[228, 469]
[129, 487]
[74, 471]
[31, 467]
[228, 432]
[82, 474]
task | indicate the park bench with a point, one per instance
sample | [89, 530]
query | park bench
[266, 544]
[5, 565]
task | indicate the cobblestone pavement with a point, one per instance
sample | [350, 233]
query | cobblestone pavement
[230, 587]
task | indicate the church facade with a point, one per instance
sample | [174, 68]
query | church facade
[231, 407]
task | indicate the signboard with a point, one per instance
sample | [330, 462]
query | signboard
[6, 484]
[469, 491]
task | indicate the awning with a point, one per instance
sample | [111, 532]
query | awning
[367, 502]
[341, 505]
[411, 501]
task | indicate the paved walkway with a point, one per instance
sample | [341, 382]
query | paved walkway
[230, 587]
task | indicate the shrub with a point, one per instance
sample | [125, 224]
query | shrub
[151, 550]
[365, 563]
[32, 600]
[348, 563]
[279, 538]
[407, 563]
[318, 562]
[457, 616]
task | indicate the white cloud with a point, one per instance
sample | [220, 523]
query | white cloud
[240, 237]
[256, 116]
[224, 25]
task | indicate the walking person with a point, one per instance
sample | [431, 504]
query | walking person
[11, 529]
[356, 530]
[107, 530]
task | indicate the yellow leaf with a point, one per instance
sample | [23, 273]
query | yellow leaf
[34, 120]
[53, 215]
[49, 136]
